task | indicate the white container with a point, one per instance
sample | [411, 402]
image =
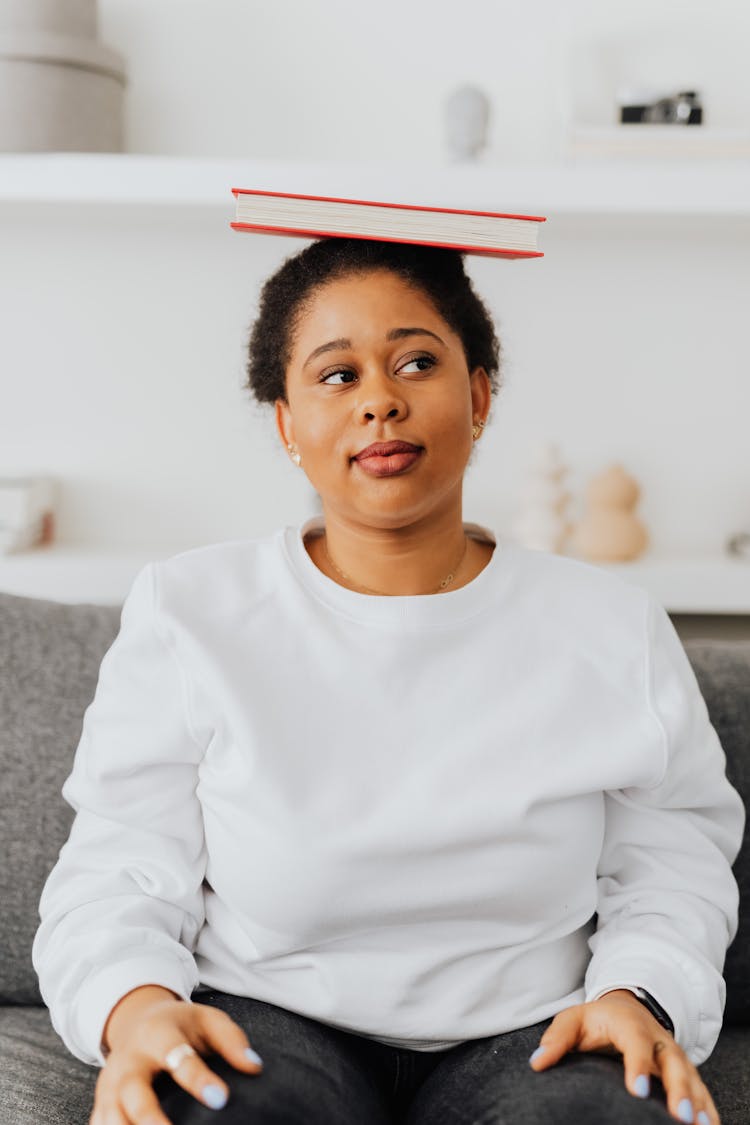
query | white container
[60, 89]
[68, 17]
[28, 507]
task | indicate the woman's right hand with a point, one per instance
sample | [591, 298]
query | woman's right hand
[141, 1029]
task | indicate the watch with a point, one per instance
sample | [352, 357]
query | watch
[654, 1008]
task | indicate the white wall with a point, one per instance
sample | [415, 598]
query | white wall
[121, 352]
[341, 77]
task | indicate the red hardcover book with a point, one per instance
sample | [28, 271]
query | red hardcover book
[488, 233]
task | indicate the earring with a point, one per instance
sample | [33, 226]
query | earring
[295, 456]
[477, 429]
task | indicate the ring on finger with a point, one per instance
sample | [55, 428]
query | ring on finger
[175, 1057]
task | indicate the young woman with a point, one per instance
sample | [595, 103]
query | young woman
[436, 825]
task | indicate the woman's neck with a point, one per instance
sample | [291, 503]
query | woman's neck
[398, 561]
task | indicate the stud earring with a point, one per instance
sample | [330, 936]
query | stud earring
[477, 429]
[295, 456]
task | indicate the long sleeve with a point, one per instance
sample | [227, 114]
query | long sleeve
[124, 903]
[667, 898]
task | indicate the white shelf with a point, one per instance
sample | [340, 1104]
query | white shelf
[713, 585]
[667, 188]
[663, 142]
[76, 574]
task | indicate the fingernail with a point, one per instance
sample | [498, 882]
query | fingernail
[215, 1098]
[685, 1111]
[703, 1118]
[253, 1056]
[537, 1054]
[642, 1085]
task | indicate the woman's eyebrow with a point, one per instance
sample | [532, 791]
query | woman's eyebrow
[393, 334]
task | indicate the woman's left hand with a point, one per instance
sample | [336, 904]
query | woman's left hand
[617, 1023]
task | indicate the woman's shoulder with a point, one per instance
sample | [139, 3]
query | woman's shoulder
[557, 567]
[582, 596]
[558, 571]
[219, 574]
[220, 551]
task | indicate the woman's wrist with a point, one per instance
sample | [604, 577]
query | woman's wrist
[644, 998]
[130, 1007]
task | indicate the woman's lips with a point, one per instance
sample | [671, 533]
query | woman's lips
[388, 466]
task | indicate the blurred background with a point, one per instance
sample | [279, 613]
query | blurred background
[126, 299]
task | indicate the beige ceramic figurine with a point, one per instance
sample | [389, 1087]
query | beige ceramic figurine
[541, 522]
[610, 531]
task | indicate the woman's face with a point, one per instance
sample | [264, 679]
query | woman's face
[388, 368]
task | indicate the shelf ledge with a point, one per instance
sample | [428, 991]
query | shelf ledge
[668, 188]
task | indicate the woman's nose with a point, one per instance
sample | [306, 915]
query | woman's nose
[381, 398]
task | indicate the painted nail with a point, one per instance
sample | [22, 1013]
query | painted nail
[685, 1111]
[215, 1098]
[703, 1118]
[537, 1054]
[642, 1085]
[253, 1056]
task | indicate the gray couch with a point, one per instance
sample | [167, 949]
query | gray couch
[49, 661]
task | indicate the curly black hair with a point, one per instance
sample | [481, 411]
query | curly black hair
[436, 271]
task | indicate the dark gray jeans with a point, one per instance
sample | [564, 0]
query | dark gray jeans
[319, 1075]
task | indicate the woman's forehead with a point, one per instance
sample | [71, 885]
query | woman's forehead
[364, 304]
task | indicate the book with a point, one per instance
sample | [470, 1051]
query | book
[488, 233]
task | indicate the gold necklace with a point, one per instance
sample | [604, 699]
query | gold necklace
[446, 581]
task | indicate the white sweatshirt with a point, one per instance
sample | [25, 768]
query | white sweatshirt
[396, 815]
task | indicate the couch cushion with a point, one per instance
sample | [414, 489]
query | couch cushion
[722, 669]
[40, 1081]
[727, 1075]
[49, 665]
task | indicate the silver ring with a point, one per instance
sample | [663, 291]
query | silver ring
[177, 1055]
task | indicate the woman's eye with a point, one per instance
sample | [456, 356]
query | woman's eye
[345, 371]
[427, 359]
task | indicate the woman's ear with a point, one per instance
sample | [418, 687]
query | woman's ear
[284, 423]
[481, 392]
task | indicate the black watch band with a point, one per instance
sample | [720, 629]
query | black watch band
[654, 1008]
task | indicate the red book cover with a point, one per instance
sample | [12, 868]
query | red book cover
[310, 233]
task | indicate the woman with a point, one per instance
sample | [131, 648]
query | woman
[385, 799]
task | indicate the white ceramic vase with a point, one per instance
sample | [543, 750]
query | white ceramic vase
[60, 89]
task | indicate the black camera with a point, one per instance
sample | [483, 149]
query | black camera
[682, 108]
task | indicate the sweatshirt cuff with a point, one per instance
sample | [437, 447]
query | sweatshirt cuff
[103, 988]
[655, 978]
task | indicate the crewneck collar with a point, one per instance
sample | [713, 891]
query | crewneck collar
[419, 609]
